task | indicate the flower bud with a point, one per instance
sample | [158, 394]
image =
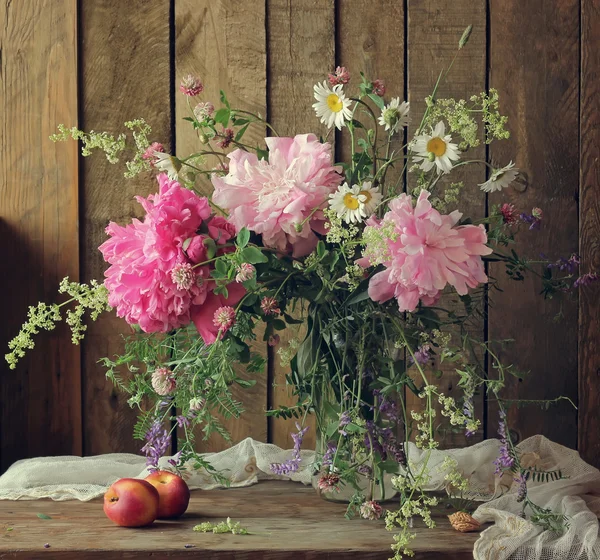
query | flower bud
[203, 139]
[465, 37]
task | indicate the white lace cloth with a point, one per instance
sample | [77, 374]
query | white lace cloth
[577, 495]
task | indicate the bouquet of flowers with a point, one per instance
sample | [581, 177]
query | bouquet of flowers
[354, 258]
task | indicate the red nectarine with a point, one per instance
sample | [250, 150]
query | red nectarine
[173, 493]
[131, 502]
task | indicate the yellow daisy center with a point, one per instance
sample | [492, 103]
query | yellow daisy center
[436, 146]
[351, 202]
[334, 103]
[367, 196]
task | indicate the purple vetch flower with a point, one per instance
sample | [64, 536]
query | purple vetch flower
[533, 220]
[344, 421]
[422, 355]
[566, 265]
[158, 441]
[182, 421]
[586, 279]
[174, 461]
[388, 409]
[292, 464]
[521, 480]
[504, 459]
[329, 454]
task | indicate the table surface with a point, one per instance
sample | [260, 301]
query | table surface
[289, 521]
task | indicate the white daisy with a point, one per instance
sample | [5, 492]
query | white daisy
[167, 163]
[372, 198]
[500, 178]
[353, 204]
[394, 116]
[332, 107]
[435, 150]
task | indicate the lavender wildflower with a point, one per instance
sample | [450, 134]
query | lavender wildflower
[344, 421]
[329, 454]
[568, 265]
[293, 464]
[174, 461]
[521, 480]
[504, 459]
[534, 219]
[182, 421]
[586, 279]
[158, 441]
[422, 355]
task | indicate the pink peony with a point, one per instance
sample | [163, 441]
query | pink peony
[423, 252]
[274, 197]
[151, 281]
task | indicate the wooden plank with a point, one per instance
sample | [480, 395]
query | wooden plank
[534, 61]
[224, 43]
[287, 521]
[301, 46]
[124, 75]
[374, 45]
[589, 241]
[40, 402]
[433, 35]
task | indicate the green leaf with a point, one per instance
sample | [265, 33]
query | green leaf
[253, 255]
[221, 266]
[278, 324]
[242, 238]
[377, 100]
[43, 516]
[222, 116]
[223, 98]
[211, 247]
[358, 297]
[188, 119]
[321, 250]
[262, 154]
[240, 132]
[246, 383]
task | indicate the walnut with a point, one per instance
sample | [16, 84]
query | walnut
[463, 522]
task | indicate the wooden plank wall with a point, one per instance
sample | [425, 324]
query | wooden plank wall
[101, 63]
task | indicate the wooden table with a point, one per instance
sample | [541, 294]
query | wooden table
[290, 521]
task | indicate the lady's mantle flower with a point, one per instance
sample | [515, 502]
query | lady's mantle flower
[379, 87]
[371, 510]
[292, 465]
[422, 251]
[269, 306]
[203, 110]
[224, 318]
[353, 204]
[191, 86]
[332, 107]
[329, 482]
[163, 381]
[394, 116]
[435, 150]
[340, 76]
[500, 178]
[509, 213]
[245, 272]
[277, 198]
